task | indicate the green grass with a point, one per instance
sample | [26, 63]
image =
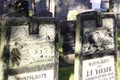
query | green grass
[118, 43]
[66, 73]
[60, 46]
[118, 37]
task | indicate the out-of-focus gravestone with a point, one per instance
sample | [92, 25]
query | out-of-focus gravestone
[41, 5]
[30, 51]
[97, 55]
[68, 35]
[61, 9]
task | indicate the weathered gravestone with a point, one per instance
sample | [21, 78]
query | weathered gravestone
[68, 34]
[97, 55]
[67, 31]
[30, 51]
[61, 9]
[41, 5]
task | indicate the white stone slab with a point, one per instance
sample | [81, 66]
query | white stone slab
[99, 69]
[39, 75]
[33, 48]
[34, 53]
[21, 33]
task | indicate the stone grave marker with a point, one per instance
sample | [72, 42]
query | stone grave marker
[30, 51]
[97, 48]
[41, 5]
[68, 35]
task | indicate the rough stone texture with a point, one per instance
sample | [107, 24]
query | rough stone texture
[41, 5]
[68, 35]
[97, 38]
[31, 49]
[98, 44]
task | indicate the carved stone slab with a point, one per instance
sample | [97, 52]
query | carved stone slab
[68, 35]
[98, 46]
[39, 75]
[97, 33]
[98, 39]
[99, 69]
[32, 51]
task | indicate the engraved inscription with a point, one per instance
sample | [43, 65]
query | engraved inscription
[99, 69]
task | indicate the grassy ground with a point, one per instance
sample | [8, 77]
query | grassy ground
[66, 73]
[118, 37]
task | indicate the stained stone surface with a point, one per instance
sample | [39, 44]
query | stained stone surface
[99, 68]
[98, 35]
[33, 55]
[68, 35]
[98, 46]
[100, 39]
[41, 5]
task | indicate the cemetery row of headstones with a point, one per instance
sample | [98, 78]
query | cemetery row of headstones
[29, 47]
[58, 8]
[93, 40]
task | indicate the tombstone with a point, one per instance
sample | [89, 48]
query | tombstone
[68, 9]
[61, 9]
[97, 51]
[30, 50]
[41, 5]
[68, 35]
